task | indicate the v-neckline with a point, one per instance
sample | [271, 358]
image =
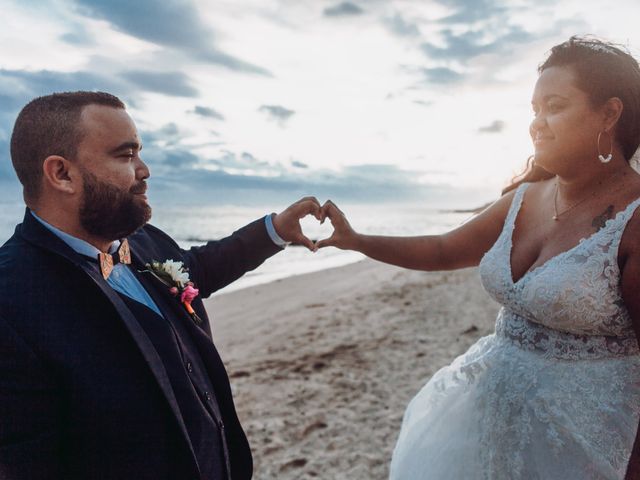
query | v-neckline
[557, 255]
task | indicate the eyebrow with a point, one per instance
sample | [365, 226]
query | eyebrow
[554, 95]
[126, 146]
[546, 98]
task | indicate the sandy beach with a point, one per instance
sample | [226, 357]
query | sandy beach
[323, 365]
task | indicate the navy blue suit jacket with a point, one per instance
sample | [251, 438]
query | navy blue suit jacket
[83, 392]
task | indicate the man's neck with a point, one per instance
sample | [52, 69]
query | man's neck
[71, 226]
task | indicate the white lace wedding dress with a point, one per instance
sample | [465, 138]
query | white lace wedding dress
[554, 393]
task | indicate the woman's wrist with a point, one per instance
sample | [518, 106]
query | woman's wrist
[357, 242]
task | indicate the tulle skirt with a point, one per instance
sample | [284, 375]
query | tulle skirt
[501, 411]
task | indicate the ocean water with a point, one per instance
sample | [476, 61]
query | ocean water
[194, 225]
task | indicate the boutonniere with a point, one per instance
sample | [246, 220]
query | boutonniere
[176, 276]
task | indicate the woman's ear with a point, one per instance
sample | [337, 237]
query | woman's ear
[612, 109]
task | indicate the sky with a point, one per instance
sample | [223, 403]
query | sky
[250, 101]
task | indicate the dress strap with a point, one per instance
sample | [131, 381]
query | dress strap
[516, 202]
[618, 223]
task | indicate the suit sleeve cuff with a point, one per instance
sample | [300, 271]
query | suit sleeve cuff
[271, 230]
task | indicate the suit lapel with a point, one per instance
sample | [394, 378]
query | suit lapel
[37, 234]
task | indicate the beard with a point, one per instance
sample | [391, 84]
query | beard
[110, 212]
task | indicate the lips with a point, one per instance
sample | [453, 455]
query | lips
[539, 140]
[139, 190]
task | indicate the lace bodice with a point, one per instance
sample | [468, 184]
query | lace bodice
[572, 302]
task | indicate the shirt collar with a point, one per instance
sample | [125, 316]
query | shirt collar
[77, 244]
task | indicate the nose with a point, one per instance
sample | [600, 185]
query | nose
[536, 124]
[142, 170]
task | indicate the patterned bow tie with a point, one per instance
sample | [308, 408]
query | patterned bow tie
[107, 261]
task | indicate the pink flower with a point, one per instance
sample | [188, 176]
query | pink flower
[188, 294]
[173, 291]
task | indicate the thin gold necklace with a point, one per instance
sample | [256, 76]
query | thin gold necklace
[556, 215]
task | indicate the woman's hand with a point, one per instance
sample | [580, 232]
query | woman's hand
[343, 235]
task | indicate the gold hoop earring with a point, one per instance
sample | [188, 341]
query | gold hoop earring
[609, 156]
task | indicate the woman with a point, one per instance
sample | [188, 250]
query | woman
[555, 392]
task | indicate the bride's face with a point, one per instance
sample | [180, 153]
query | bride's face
[565, 127]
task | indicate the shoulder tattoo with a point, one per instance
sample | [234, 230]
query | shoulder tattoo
[599, 221]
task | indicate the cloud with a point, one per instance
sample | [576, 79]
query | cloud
[6, 168]
[17, 87]
[207, 112]
[172, 23]
[457, 50]
[231, 162]
[378, 174]
[167, 134]
[470, 44]
[424, 103]
[78, 39]
[470, 11]
[278, 113]
[442, 75]
[10, 103]
[78, 36]
[344, 9]
[40, 82]
[472, 29]
[170, 83]
[165, 152]
[457, 46]
[241, 177]
[401, 27]
[488, 29]
[362, 183]
[169, 158]
[177, 175]
[297, 164]
[496, 126]
[173, 161]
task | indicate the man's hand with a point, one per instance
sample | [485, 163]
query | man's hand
[287, 222]
[343, 236]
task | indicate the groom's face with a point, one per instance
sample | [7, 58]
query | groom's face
[113, 202]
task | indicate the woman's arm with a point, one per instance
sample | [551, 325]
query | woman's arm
[629, 263]
[459, 248]
[630, 285]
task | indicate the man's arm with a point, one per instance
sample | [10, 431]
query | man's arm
[218, 263]
[29, 429]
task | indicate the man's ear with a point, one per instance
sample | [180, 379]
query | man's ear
[60, 174]
[612, 110]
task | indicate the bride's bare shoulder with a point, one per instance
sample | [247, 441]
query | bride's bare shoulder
[533, 194]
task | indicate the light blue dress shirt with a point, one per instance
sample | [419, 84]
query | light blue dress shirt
[122, 278]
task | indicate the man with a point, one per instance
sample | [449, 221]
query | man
[107, 368]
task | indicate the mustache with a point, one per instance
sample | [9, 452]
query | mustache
[139, 188]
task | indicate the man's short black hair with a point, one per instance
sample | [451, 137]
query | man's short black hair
[47, 126]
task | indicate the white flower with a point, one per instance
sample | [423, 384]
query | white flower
[177, 272]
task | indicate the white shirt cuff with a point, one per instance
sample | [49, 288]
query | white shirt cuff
[271, 230]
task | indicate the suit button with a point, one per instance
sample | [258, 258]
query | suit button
[189, 367]
[207, 396]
